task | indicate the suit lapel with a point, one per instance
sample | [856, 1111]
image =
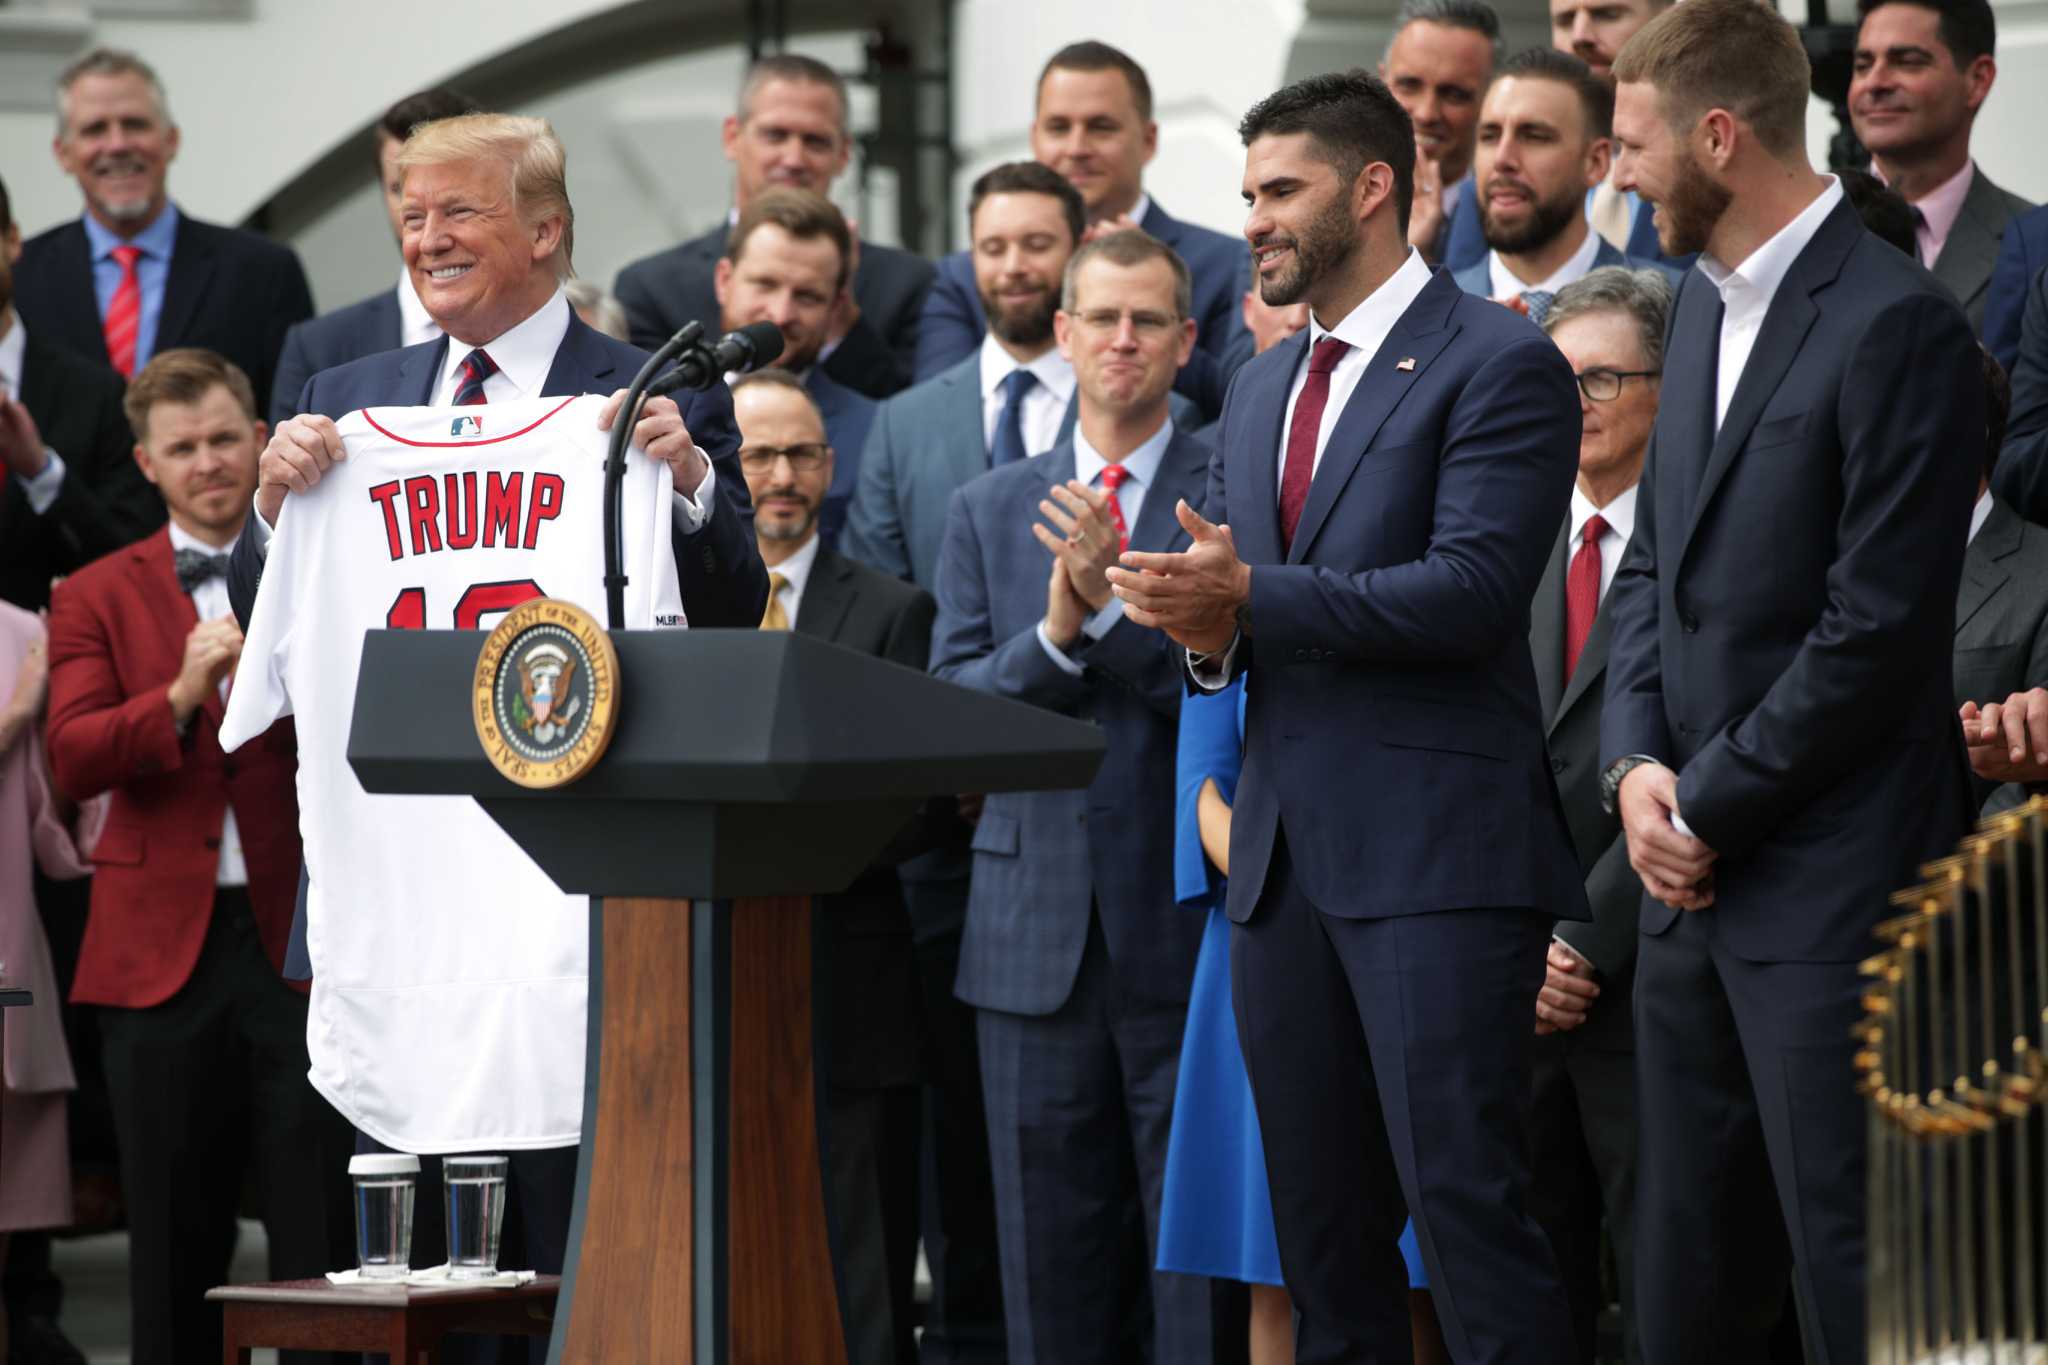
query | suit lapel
[1971, 249]
[1183, 473]
[1401, 361]
[190, 274]
[963, 443]
[1256, 498]
[420, 367]
[1066, 431]
[1592, 664]
[826, 597]
[580, 363]
[1983, 574]
[155, 576]
[1546, 628]
[79, 325]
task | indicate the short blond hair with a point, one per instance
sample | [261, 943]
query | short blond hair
[532, 155]
[184, 375]
[1737, 55]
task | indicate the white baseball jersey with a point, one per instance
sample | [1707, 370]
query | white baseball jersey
[449, 972]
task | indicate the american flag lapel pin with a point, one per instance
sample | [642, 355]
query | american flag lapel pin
[1407, 362]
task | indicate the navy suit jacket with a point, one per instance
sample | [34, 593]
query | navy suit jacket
[848, 414]
[2021, 477]
[2022, 256]
[227, 290]
[1220, 267]
[1477, 279]
[1046, 862]
[1465, 244]
[1392, 732]
[1784, 616]
[670, 288]
[362, 328]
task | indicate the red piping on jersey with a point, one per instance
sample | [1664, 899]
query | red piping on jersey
[481, 441]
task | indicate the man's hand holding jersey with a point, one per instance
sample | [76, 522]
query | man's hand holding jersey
[661, 433]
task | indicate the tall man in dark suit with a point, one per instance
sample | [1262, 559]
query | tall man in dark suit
[134, 276]
[785, 262]
[69, 488]
[1391, 483]
[1610, 326]
[1790, 592]
[1093, 124]
[1923, 70]
[390, 318]
[205, 1045]
[863, 968]
[1077, 958]
[790, 132]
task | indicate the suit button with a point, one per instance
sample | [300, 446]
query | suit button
[213, 844]
[1688, 623]
[1556, 764]
[1300, 655]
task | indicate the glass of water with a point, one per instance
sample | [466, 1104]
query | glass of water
[476, 1214]
[385, 1184]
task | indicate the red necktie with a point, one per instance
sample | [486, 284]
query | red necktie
[124, 312]
[1582, 593]
[1301, 434]
[1113, 476]
[477, 366]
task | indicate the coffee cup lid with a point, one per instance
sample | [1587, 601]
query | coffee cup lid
[383, 1163]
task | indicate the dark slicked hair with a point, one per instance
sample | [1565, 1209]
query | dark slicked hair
[424, 106]
[1029, 177]
[1967, 28]
[1885, 213]
[1094, 56]
[1352, 118]
[1596, 97]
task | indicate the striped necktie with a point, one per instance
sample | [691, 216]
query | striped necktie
[124, 312]
[477, 366]
[775, 617]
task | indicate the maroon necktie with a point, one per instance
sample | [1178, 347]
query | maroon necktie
[1582, 593]
[477, 366]
[1113, 476]
[1301, 435]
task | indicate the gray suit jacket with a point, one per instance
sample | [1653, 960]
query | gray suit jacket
[1571, 716]
[2002, 622]
[1972, 247]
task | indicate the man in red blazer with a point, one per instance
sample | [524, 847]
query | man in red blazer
[205, 1042]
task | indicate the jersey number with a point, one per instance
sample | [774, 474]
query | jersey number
[409, 608]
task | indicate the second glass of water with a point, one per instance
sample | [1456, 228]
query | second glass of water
[476, 1214]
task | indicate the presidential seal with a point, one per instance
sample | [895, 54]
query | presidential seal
[546, 695]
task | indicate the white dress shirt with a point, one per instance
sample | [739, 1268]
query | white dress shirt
[797, 570]
[1141, 471]
[1747, 291]
[1044, 407]
[1978, 514]
[210, 600]
[415, 325]
[1505, 284]
[42, 490]
[1620, 516]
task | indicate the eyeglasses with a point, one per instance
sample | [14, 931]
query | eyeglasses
[1604, 385]
[1143, 321]
[804, 459]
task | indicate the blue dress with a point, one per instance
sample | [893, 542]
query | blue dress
[1215, 1213]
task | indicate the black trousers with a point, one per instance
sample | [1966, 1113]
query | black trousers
[1751, 1165]
[1582, 1148]
[1390, 1063]
[208, 1089]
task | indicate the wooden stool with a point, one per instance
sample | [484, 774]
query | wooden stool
[407, 1322]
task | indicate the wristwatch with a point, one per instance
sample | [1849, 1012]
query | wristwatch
[1610, 781]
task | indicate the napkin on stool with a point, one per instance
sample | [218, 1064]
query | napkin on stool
[434, 1277]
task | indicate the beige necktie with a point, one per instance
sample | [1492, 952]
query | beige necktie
[1609, 216]
[775, 618]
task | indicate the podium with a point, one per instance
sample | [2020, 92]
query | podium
[749, 771]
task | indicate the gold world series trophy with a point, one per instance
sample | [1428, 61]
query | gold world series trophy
[1954, 1032]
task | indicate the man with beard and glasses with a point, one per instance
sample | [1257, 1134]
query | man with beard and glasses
[134, 276]
[785, 261]
[1789, 593]
[1545, 138]
[1923, 70]
[1392, 483]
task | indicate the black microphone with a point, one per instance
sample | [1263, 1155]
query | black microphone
[701, 366]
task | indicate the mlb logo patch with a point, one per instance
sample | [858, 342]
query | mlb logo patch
[466, 426]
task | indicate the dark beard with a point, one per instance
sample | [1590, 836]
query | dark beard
[1692, 210]
[1546, 222]
[1322, 248]
[1026, 326]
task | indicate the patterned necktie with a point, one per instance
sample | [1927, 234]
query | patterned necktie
[196, 566]
[1302, 434]
[1536, 304]
[1582, 593]
[775, 618]
[1009, 443]
[124, 312]
[477, 366]
[1113, 476]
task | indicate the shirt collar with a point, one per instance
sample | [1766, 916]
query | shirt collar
[13, 355]
[181, 539]
[1506, 284]
[415, 323]
[797, 568]
[1141, 208]
[526, 352]
[1979, 514]
[1367, 325]
[1620, 514]
[156, 240]
[1141, 466]
[1943, 204]
[1760, 275]
[1054, 370]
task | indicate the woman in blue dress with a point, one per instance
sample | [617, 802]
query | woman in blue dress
[1216, 1216]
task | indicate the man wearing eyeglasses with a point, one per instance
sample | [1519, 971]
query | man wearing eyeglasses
[1610, 326]
[863, 974]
